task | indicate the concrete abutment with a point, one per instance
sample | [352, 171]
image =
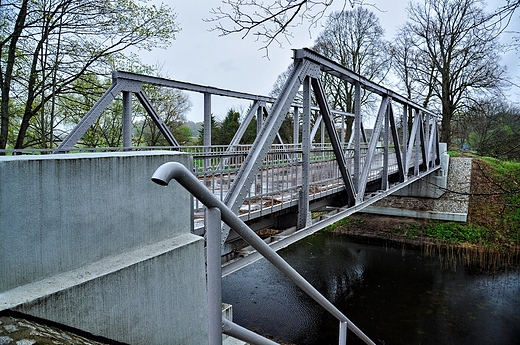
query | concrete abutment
[443, 195]
[88, 241]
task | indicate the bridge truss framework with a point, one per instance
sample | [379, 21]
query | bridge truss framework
[365, 170]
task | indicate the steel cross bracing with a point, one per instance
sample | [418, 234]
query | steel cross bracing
[308, 67]
[262, 178]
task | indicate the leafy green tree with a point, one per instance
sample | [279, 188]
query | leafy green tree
[48, 45]
[225, 131]
[106, 131]
[214, 125]
[250, 134]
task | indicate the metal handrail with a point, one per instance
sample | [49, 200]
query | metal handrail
[173, 170]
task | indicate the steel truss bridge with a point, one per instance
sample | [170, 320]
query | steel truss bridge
[272, 184]
[275, 184]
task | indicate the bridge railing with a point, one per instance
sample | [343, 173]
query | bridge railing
[217, 211]
[278, 183]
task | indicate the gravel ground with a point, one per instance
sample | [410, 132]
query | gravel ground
[19, 331]
[455, 200]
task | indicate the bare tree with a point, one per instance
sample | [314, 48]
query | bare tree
[411, 66]
[171, 105]
[354, 39]
[458, 49]
[493, 128]
[269, 21]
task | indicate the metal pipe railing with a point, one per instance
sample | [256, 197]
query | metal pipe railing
[236, 331]
[173, 170]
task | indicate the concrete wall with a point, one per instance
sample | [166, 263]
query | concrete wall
[89, 241]
[452, 205]
[427, 187]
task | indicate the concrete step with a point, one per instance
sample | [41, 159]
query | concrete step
[233, 341]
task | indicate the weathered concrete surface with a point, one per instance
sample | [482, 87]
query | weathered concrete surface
[158, 300]
[90, 242]
[451, 206]
[61, 212]
[20, 331]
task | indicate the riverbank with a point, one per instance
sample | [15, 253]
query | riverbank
[489, 240]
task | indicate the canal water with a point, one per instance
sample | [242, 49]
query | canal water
[395, 296]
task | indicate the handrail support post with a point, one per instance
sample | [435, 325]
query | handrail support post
[343, 326]
[214, 274]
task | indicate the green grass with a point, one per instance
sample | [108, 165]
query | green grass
[458, 233]
[506, 174]
[345, 222]
[408, 230]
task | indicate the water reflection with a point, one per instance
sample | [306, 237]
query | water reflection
[394, 296]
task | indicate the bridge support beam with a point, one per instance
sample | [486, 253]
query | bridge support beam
[304, 215]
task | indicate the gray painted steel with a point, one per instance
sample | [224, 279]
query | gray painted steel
[304, 216]
[371, 149]
[168, 171]
[214, 274]
[145, 102]
[334, 139]
[420, 152]
[239, 332]
[127, 119]
[116, 212]
[247, 173]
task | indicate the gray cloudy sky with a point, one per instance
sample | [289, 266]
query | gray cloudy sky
[199, 56]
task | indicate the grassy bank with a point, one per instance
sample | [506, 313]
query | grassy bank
[491, 237]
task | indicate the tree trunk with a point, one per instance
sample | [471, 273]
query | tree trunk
[30, 111]
[447, 114]
[8, 76]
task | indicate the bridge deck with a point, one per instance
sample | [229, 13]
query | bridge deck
[278, 184]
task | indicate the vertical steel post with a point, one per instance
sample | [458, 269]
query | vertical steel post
[127, 120]
[417, 142]
[322, 138]
[296, 127]
[405, 140]
[207, 128]
[427, 130]
[343, 131]
[259, 119]
[386, 139]
[212, 221]
[303, 211]
[343, 332]
[296, 132]
[357, 135]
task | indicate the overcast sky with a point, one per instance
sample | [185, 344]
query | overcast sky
[200, 56]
